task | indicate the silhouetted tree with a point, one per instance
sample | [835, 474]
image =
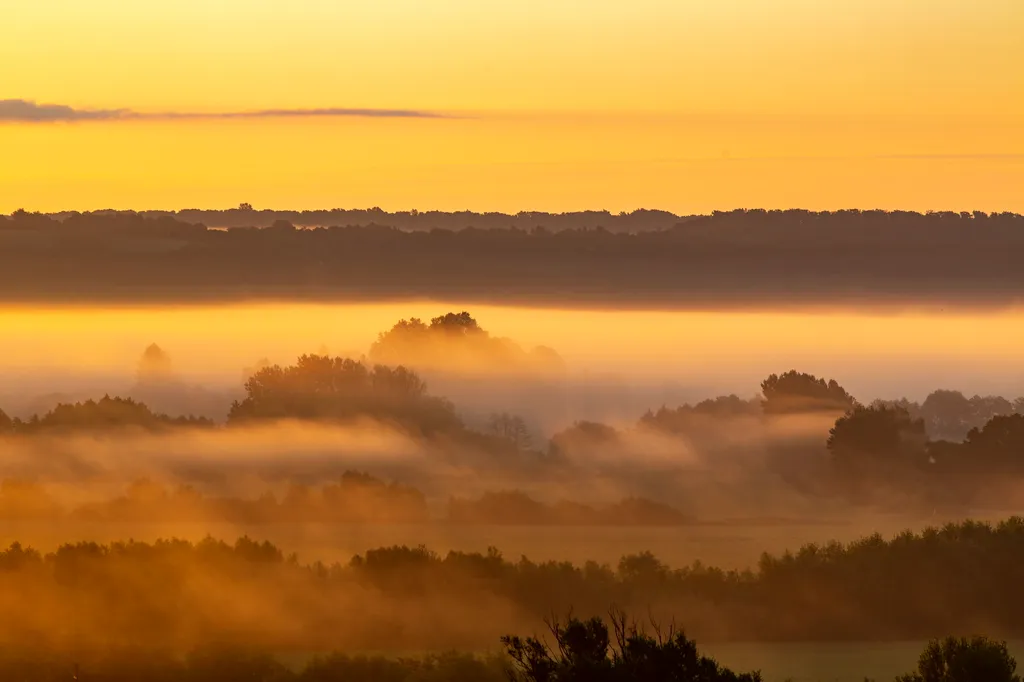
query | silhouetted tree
[984, 408]
[795, 392]
[321, 388]
[959, 659]
[105, 413]
[586, 652]
[878, 436]
[460, 324]
[947, 414]
[998, 446]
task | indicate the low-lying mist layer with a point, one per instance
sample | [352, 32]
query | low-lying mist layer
[331, 456]
[282, 458]
[805, 447]
[356, 498]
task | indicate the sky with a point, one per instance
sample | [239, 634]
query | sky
[683, 105]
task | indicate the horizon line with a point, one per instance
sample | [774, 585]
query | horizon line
[29, 112]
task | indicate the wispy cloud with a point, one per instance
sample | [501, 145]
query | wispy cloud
[26, 111]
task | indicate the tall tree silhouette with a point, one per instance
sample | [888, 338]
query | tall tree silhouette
[794, 392]
[321, 388]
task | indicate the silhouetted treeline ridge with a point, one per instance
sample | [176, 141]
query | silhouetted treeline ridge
[411, 221]
[947, 452]
[770, 257]
[958, 578]
[107, 413]
[950, 415]
[946, 415]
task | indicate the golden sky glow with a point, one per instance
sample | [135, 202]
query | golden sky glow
[685, 105]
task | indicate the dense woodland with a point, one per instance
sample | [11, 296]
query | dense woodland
[417, 221]
[180, 595]
[742, 257]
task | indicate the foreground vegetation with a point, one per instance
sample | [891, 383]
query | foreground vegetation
[575, 651]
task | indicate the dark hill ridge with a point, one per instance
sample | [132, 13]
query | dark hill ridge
[634, 221]
[739, 258]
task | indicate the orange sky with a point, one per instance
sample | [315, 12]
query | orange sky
[685, 105]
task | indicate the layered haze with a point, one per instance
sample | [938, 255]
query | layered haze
[616, 363]
[390, 328]
[557, 370]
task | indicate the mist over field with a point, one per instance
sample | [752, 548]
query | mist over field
[533, 341]
[613, 363]
[445, 457]
[446, 475]
[575, 408]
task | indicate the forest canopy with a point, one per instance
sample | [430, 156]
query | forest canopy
[648, 258]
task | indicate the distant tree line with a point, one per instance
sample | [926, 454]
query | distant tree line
[645, 256]
[107, 413]
[323, 388]
[961, 578]
[948, 450]
[946, 414]
[950, 415]
[412, 221]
